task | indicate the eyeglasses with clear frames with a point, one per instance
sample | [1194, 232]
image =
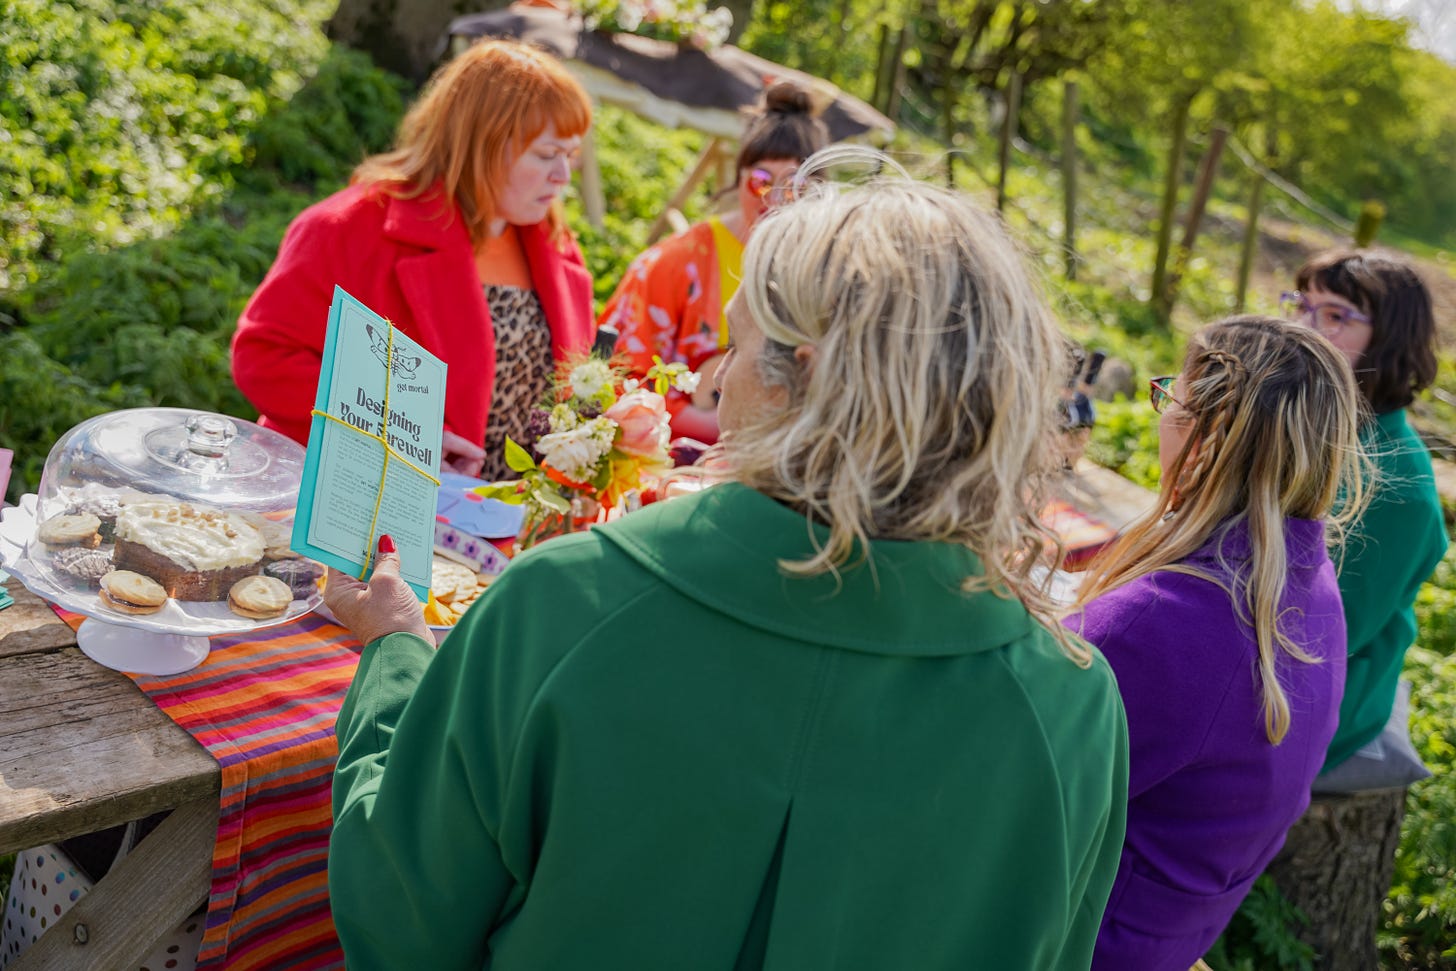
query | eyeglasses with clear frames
[1327, 317]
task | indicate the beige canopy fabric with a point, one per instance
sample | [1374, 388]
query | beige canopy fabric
[674, 85]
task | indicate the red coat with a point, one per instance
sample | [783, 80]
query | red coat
[414, 264]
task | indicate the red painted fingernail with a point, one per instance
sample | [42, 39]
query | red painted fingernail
[386, 543]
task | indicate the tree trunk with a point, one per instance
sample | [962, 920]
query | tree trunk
[742, 11]
[1170, 201]
[896, 74]
[882, 67]
[1336, 866]
[400, 35]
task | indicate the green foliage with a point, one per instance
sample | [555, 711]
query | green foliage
[119, 317]
[642, 164]
[1261, 936]
[1420, 912]
[346, 111]
[1125, 439]
[41, 400]
[120, 118]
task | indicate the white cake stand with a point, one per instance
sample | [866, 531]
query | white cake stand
[172, 640]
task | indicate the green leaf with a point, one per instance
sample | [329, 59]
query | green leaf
[517, 458]
[553, 500]
[510, 492]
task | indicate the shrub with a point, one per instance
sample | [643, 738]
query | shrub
[148, 322]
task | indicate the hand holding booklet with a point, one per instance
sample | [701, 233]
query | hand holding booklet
[373, 449]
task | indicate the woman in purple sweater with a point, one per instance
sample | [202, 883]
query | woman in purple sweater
[1221, 617]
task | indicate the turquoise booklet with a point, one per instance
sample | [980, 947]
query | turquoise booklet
[373, 449]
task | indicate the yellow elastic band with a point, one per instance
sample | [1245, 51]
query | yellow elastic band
[389, 450]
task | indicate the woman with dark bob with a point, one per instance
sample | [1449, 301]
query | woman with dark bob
[1220, 614]
[457, 236]
[1373, 307]
[807, 718]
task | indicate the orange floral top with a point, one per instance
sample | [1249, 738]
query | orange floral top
[670, 302]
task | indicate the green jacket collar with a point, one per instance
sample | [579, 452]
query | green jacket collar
[721, 548]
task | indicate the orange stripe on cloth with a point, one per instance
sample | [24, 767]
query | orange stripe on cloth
[264, 705]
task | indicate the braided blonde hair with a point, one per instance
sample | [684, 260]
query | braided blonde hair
[926, 411]
[1273, 412]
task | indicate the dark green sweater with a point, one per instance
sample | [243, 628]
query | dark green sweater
[1388, 555]
[646, 747]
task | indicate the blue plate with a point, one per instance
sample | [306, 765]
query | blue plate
[460, 508]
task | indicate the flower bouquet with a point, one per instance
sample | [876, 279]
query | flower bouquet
[601, 438]
[680, 21]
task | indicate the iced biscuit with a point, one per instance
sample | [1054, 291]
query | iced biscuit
[81, 529]
[259, 597]
[82, 563]
[132, 593]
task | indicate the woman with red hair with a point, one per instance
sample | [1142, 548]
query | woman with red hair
[458, 237]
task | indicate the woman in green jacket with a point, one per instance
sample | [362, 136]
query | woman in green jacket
[1374, 308]
[809, 718]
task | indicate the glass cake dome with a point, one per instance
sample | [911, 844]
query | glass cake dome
[192, 502]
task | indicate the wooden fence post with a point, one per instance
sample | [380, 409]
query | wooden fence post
[1207, 170]
[1008, 135]
[1171, 183]
[1069, 178]
[1251, 240]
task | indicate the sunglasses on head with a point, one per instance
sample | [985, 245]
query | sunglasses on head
[762, 184]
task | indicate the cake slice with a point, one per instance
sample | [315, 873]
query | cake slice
[194, 552]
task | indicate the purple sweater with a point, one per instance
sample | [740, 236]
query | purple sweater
[1209, 798]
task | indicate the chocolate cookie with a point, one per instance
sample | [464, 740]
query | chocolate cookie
[259, 597]
[82, 563]
[301, 575]
[132, 593]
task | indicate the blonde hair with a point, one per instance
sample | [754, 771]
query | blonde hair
[1273, 413]
[926, 410]
[475, 117]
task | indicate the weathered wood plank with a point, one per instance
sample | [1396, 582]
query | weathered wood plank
[30, 625]
[158, 884]
[81, 748]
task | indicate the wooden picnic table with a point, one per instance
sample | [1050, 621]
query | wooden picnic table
[83, 749]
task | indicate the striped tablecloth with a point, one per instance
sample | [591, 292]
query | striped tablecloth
[264, 704]
[1084, 535]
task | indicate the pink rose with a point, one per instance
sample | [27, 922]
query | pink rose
[642, 417]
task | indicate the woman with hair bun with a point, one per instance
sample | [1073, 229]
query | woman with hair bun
[458, 237]
[670, 302]
[1373, 307]
[1220, 614]
[849, 740]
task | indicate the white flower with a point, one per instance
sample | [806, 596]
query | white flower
[563, 419]
[589, 379]
[577, 452]
[630, 385]
[686, 381]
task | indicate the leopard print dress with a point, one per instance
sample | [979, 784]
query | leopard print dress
[523, 368]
